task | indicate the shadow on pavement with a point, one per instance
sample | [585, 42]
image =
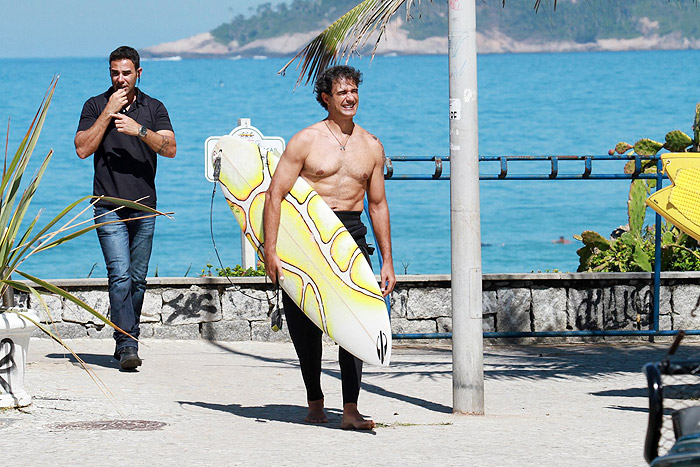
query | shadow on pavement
[273, 413]
[372, 388]
[103, 360]
[581, 360]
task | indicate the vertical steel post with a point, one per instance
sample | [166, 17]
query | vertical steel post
[657, 252]
[248, 256]
[465, 218]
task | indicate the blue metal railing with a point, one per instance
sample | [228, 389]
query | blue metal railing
[554, 174]
[502, 161]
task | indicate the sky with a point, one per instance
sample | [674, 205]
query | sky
[93, 28]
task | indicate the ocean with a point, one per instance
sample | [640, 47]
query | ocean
[529, 104]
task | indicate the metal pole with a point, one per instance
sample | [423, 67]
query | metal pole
[248, 257]
[657, 253]
[465, 219]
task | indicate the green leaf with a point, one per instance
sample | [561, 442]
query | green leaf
[629, 239]
[641, 258]
[667, 237]
[636, 206]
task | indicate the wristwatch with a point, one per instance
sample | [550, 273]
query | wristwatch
[143, 131]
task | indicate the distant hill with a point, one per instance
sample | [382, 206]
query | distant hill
[576, 25]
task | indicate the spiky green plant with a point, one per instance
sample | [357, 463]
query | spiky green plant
[633, 250]
[18, 242]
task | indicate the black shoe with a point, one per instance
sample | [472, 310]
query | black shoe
[128, 358]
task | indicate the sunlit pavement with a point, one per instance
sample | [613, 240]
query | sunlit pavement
[231, 403]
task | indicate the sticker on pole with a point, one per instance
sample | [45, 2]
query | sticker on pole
[455, 109]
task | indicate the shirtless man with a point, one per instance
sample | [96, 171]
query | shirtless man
[342, 162]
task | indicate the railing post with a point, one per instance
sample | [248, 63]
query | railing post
[465, 218]
[657, 251]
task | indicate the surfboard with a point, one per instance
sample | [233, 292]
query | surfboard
[325, 273]
[680, 202]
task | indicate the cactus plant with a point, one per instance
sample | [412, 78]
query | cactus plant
[636, 206]
[622, 147]
[595, 240]
[677, 141]
[633, 250]
[647, 147]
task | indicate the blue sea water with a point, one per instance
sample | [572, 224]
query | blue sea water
[579, 103]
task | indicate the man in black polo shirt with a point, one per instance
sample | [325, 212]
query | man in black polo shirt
[125, 129]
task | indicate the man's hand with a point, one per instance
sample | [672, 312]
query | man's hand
[388, 278]
[126, 124]
[273, 267]
[117, 101]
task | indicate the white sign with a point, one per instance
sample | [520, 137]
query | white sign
[245, 131]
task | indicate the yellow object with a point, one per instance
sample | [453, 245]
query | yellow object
[325, 272]
[680, 202]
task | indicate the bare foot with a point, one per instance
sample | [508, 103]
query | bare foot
[352, 420]
[316, 413]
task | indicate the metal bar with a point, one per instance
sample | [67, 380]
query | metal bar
[504, 167]
[438, 168]
[525, 158]
[588, 167]
[404, 177]
[637, 165]
[389, 168]
[549, 177]
[555, 167]
[657, 252]
[515, 335]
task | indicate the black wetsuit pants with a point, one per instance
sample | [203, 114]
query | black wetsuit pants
[306, 336]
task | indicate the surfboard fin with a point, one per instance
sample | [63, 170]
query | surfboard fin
[275, 313]
[276, 320]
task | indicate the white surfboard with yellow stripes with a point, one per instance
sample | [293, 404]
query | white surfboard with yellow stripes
[325, 272]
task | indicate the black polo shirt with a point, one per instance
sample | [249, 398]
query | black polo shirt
[125, 167]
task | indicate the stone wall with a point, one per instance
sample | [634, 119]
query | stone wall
[219, 309]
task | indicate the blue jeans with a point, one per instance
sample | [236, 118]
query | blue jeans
[126, 247]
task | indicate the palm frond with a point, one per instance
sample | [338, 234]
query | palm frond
[350, 32]
[346, 35]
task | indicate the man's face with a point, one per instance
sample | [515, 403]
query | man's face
[124, 75]
[344, 98]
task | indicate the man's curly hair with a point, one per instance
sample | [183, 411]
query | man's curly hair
[324, 82]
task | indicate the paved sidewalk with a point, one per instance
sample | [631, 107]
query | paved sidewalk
[242, 403]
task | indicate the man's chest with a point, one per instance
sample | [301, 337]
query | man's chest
[336, 163]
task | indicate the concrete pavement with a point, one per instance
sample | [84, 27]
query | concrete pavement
[196, 402]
